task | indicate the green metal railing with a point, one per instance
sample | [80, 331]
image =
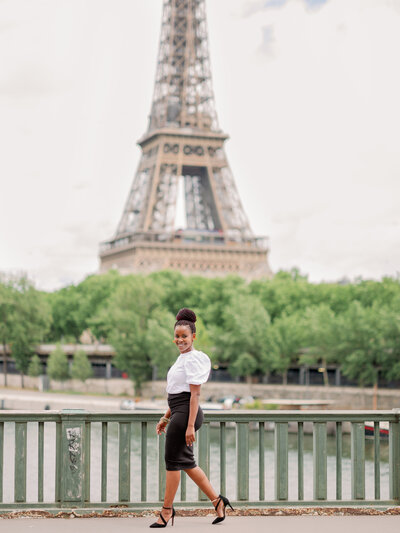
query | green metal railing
[78, 437]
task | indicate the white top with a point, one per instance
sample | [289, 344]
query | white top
[191, 368]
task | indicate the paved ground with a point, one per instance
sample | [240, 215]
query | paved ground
[272, 524]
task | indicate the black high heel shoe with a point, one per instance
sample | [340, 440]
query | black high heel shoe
[156, 524]
[226, 502]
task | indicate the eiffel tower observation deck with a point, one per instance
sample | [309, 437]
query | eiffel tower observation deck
[183, 211]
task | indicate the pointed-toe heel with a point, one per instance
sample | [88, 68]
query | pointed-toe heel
[165, 522]
[226, 502]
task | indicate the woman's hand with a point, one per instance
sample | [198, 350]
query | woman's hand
[160, 428]
[190, 436]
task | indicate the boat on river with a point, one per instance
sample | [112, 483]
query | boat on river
[383, 429]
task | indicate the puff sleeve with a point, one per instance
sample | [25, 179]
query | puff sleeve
[197, 368]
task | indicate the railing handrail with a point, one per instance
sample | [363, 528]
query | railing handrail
[244, 415]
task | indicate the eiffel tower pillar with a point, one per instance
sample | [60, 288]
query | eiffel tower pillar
[183, 156]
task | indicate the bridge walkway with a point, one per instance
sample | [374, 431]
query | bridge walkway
[237, 524]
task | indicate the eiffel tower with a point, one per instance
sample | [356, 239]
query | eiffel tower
[183, 163]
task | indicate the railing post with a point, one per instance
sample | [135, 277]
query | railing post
[242, 461]
[339, 453]
[222, 458]
[261, 461]
[394, 457]
[281, 460]
[320, 461]
[358, 460]
[161, 466]
[40, 460]
[58, 459]
[204, 453]
[377, 461]
[183, 486]
[73, 456]
[300, 461]
[87, 434]
[20, 462]
[143, 462]
[104, 438]
[1, 459]
[124, 471]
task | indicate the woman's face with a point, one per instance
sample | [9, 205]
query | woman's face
[183, 338]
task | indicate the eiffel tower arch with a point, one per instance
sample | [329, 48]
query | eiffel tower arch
[184, 162]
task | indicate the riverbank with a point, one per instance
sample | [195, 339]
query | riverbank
[337, 397]
[35, 400]
[115, 389]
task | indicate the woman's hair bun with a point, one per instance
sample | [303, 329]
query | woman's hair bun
[186, 314]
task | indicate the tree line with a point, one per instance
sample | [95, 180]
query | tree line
[251, 328]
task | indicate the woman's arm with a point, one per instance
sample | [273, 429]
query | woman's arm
[162, 424]
[194, 407]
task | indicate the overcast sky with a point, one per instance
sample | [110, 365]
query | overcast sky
[308, 91]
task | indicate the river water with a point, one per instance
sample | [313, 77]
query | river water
[191, 489]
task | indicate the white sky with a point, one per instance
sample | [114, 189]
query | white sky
[308, 91]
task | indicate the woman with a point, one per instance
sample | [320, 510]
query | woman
[184, 417]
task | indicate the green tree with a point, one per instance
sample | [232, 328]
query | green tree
[74, 306]
[245, 364]
[287, 335]
[32, 320]
[320, 338]
[126, 310]
[57, 365]
[65, 308]
[94, 293]
[35, 368]
[390, 327]
[245, 342]
[285, 292]
[289, 292]
[203, 340]
[221, 293]
[362, 344]
[163, 353]
[381, 293]
[127, 316]
[26, 319]
[81, 368]
[7, 311]
[175, 289]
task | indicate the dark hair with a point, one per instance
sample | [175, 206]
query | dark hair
[186, 317]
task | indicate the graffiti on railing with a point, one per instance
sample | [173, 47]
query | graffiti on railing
[74, 447]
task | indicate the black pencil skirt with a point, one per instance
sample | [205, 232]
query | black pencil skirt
[179, 456]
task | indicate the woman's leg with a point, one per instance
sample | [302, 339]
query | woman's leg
[171, 486]
[202, 481]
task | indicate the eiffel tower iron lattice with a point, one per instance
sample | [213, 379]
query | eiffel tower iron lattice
[183, 158]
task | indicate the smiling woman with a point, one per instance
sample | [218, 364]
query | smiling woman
[184, 417]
